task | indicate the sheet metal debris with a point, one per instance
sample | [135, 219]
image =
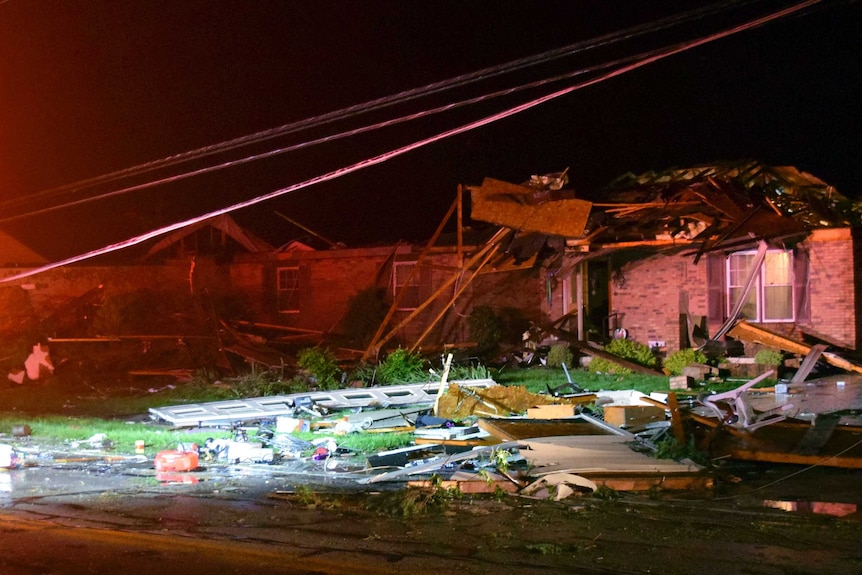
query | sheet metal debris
[233, 411]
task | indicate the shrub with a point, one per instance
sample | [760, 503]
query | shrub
[401, 366]
[560, 354]
[678, 360]
[321, 364]
[632, 351]
[602, 365]
[769, 357]
[485, 326]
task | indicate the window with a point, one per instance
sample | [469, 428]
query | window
[288, 290]
[771, 296]
[401, 272]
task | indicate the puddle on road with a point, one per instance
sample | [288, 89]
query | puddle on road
[816, 507]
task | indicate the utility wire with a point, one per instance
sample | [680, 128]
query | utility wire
[418, 144]
[390, 100]
[333, 137]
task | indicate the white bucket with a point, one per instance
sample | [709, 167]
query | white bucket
[7, 456]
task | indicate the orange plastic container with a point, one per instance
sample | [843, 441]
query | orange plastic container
[170, 460]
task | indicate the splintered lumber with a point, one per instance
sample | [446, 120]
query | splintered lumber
[790, 441]
[748, 332]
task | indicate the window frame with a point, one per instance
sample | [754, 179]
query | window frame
[414, 286]
[281, 290]
[760, 289]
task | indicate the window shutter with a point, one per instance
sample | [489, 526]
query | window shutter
[800, 285]
[715, 295]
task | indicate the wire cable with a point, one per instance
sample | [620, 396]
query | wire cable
[390, 100]
[378, 159]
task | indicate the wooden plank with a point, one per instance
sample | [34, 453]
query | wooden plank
[843, 461]
[676, 419]
[635, 482]
[469, 486]
[746, 331]
[512, 429]
[595, 454]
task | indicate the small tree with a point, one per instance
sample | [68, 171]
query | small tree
[321, 364]
[633, 351]
[682, 358]
[401, 366]
[365, 312]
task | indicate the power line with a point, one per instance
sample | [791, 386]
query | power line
[373, 105]
[330, 138]
[418, 144]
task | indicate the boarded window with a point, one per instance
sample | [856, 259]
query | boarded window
[405, 288]
[288, 290]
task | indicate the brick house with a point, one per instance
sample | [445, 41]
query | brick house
[663, 258]
[429, 292]
[671, 259]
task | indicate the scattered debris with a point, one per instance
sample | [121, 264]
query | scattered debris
[35, 365]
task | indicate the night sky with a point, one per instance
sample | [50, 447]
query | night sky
[91, 87]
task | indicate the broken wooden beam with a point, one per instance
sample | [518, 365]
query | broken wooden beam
[756, 334]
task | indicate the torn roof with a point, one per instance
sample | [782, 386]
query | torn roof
[530, 208]
[723, 200]
[710, 205]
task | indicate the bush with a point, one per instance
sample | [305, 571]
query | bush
[401, 366]
[602, 365]
[678, 360]
[633, 351]
[321, 364]
[560, 354]
[485, 326]
[769, 357]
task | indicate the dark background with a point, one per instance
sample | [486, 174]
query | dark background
[89, 87]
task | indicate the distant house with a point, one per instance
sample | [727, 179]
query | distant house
[14, 254]
[426, 293]
[672, 259]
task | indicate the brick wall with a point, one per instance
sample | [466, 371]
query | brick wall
[833, 287]
[647, 294]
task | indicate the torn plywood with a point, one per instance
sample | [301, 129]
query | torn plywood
[523, 208]
[608, 460]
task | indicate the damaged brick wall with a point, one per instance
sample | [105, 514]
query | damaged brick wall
[328, 280]
[648, 294]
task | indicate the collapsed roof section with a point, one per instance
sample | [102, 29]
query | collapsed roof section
[711, 206]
